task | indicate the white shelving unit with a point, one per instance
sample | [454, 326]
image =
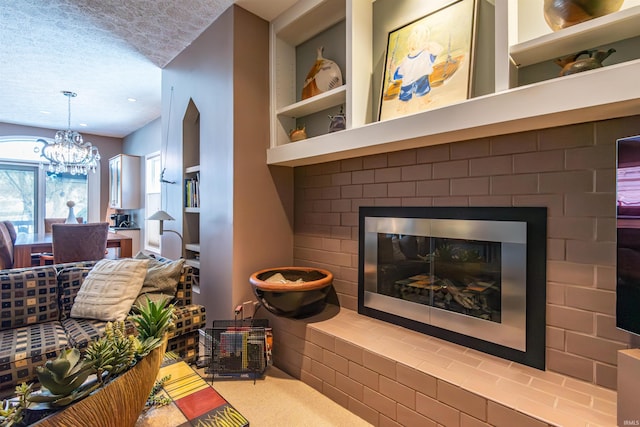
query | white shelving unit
[192, 256]
[302, 21]
[611, 91]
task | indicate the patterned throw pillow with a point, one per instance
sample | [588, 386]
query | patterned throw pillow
[110, 289]
[162, 277]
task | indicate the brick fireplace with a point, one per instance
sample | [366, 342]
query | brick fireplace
[391, 375]
[570, 170]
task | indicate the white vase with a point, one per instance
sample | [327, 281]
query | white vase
[323, 76]
[71, 218]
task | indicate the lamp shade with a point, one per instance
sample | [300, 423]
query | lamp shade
[161, 216]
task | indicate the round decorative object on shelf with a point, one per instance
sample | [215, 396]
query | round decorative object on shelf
[323, 76]
[298, 134]
[561, 14]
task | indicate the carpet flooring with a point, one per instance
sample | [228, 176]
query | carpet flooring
[276, 400]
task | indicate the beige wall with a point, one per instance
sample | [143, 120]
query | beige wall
[570, 170]
[245, 206]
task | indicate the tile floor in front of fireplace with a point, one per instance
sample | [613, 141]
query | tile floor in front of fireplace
[547, 396]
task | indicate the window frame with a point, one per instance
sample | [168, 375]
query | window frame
[152, 228]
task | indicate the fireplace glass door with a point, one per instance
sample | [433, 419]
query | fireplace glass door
[458, 275]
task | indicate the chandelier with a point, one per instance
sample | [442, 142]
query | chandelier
[69, 153]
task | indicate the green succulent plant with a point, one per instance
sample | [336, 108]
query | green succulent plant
[153, 320]
[156, 398]
[64, 378]
[11, 413]
[112, 354]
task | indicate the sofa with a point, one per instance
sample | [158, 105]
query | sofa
[36, 322]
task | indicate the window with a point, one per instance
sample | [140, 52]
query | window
[18, 201]
[29, 193]
[153, 201]
[59, 189]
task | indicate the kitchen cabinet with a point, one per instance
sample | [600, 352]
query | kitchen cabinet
[124, 182]
[134, 234]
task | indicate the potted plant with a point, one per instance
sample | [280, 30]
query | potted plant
[114, 376]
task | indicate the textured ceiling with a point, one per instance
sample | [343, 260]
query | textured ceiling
[104, 50]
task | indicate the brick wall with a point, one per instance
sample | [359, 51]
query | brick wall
[570, 170]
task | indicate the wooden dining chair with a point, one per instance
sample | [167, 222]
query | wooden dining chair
[79, 242]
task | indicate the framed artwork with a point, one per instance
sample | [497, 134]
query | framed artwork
[428, 61]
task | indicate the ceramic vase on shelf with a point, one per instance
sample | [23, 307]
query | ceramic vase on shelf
[337, 122]
[71, 218]
[561, 14]
[583, 61]
[323, 76]
[298, 134]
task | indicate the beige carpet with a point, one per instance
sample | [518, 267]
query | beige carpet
[276, 400]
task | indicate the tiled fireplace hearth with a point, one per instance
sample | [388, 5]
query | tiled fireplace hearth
[392, 376]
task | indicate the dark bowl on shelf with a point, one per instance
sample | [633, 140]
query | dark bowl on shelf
[303, 292]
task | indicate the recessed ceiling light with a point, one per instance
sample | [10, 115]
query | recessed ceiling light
[84, 125]
[131, 99]
[45, 112]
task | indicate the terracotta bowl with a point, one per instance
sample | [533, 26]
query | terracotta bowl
[561, 14]
[293, 299]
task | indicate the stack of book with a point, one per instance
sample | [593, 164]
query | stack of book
[192, 192]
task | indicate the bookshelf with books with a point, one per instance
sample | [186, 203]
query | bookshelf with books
[191, 189]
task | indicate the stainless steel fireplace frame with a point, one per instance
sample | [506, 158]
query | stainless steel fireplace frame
[520, 335]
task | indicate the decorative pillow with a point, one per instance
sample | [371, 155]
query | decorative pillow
[161, 276]
[109, 289]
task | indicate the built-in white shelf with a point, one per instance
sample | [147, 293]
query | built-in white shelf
[192, 169]
[556, 102]
[608, 92]
[606, 29]
[193, 247]
[315, 104]
[192, 210]
[195, 263]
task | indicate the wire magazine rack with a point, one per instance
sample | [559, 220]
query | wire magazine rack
[238, 348]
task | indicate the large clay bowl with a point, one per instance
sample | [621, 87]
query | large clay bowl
[293, 299]
[561, 14]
